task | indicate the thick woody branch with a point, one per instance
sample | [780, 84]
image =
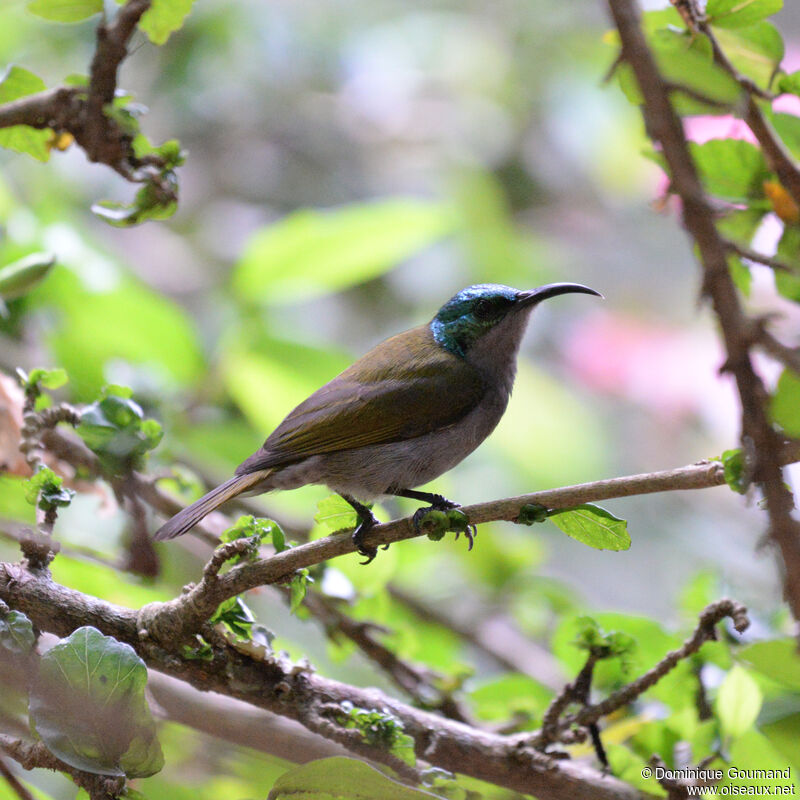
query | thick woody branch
[664, 126]
[33, 755]
[297, 693]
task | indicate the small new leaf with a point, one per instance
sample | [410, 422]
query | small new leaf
[157, 199]
[531, 513]
[593, 639]
[46, 489]
[201, 652]
[733, 470]
[380, 729]
[115, 429]
[593, 526]
[89, 708]
[297, 588]
[258, 528]
[236, 616]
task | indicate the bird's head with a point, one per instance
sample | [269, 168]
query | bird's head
[489, 318]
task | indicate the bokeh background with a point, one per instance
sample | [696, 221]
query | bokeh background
[448, 143]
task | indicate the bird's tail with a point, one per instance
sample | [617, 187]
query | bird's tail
[186, 519]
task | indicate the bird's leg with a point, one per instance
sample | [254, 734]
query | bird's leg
[366, 521]
[437, 503]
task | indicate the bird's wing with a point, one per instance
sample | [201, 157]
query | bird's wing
[406, 387]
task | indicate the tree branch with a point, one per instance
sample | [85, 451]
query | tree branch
[760, 258]
[82, 113]
[664, 126]
[280, 566]
[32, 755]
[296, 692]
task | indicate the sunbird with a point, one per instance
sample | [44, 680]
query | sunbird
[408, 411]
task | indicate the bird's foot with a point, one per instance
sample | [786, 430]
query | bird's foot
[365, 525]
[448, 518]
[366, 522]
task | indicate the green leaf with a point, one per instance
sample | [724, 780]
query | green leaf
[740, 13]
[686, 60]
[593, 526]
[738, 702]
[170, 151]
[39, 378]
[785, 404]
[19, 278]
[65, 10]
[790, 83]
[152, 201]
[256, 527]
[593, 639]
[777, 659]
[297, 589]
[163, 18]
[733, 470]
[731, 169]
[333, 249]
[379, 728]
[740, 273]
[236, 616]
[115, 429]
[788, 283]
[335, 513]
[16, 633]
[45, 487]
[629, 767]
[787, 126]
[755, 51]
[531, 513]
[18, 82]
[341, 778]
[89, 708]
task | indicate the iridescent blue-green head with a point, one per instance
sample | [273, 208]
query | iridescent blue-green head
[490, 316]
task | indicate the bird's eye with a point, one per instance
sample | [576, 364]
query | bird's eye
[484, 309]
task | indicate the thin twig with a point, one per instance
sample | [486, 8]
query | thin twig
[705, 631]
[760, 258]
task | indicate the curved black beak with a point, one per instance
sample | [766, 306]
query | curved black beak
[534, 296]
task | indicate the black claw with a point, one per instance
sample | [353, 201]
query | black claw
[365, 525]
[366, 522]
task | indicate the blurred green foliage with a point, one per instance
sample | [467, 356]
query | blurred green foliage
[348, 168]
